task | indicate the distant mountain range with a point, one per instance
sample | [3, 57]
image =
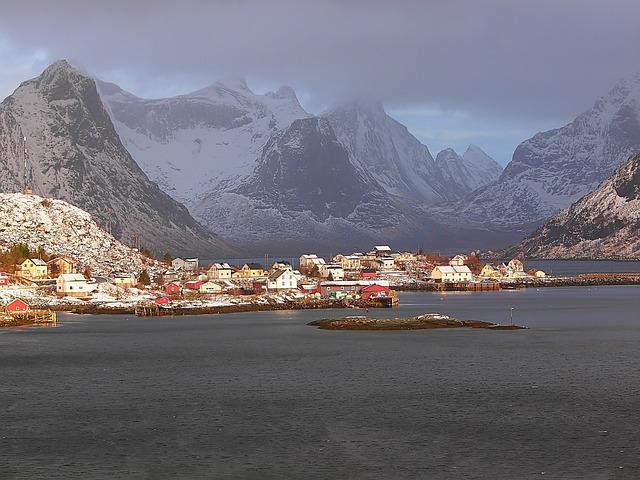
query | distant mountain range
[74, 153]
[602, 224]
[267, 175]
[555, 168]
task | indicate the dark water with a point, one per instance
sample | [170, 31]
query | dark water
[263, 395]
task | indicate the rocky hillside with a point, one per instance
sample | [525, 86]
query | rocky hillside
[74, 153]
[603, 224]
[555, 168]
[302, 191]
[260, 170]
[63, 229]
[189, 143]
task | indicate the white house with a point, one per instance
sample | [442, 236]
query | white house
[458, 261]
[348, 262]
[178, 263]
[382, 250]
[282, 280]
[191, 264]
[450, 274]
[311, 260]
[516, 265]
[332, 270]
[219, 271]
[73, 285]
[386, 264]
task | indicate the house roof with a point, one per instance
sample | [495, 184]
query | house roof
[455, 269]
[383, 248]
[277, 274]
[38, 262]
[72, 277]
[221, 266]
[254, 266]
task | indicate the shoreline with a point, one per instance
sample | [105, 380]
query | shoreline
[583, 280]
[95, 309]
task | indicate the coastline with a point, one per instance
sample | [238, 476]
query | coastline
[582, 280]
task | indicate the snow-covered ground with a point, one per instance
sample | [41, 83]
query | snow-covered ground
[63, 229]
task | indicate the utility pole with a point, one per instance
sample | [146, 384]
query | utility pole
[511, 315]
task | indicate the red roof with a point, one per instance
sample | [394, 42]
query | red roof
[162, 301]
[375, 288]
[193, 285]
[17, 305]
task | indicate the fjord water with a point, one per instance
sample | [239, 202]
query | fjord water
[262, 395]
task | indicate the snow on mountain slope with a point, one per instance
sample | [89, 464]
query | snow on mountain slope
[383, 149]
[603, 224]
[303, 192]
[471, 171]
[74, 153]
[63, 229]
[190, 143]
[555, 168]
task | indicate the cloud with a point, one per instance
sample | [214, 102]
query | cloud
[519, 60]
[538, 58]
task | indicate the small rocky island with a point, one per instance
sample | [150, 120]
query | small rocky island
[421, 322]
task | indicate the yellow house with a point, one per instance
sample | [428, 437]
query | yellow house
[489, 271]
[34, 269]
[251, 270]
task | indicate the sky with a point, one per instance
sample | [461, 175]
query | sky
[489, 72]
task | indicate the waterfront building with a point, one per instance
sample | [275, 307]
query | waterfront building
[74, 285]
[282, 280]
[449, 274]
[219, 271]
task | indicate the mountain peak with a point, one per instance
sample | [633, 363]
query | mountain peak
[233, 83]
[284, 92]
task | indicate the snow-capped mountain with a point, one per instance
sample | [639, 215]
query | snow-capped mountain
[303, 191]
[383, 149]
[63, 229]
[258, 167]
[74, 153]
[191, 143]
[468, 172]
[603, 224]
[555, 168]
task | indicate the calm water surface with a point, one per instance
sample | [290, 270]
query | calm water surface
[262, 395]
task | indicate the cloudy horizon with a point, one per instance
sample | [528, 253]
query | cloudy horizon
[491, 73]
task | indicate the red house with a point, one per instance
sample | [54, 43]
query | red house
[375, 291]
[172, 289]
[162, 301]
[17, 305]
[368, 273]
[4, 279]
[193, 285]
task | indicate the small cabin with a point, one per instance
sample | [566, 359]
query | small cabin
[17, 305]
[172, 289]
[34, 269]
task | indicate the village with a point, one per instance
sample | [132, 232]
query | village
[369, 279]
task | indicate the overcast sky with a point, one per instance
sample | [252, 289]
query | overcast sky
[490, 72]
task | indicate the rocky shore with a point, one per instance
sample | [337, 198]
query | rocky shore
[177, 310]
[583, 280]
[421, 322]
